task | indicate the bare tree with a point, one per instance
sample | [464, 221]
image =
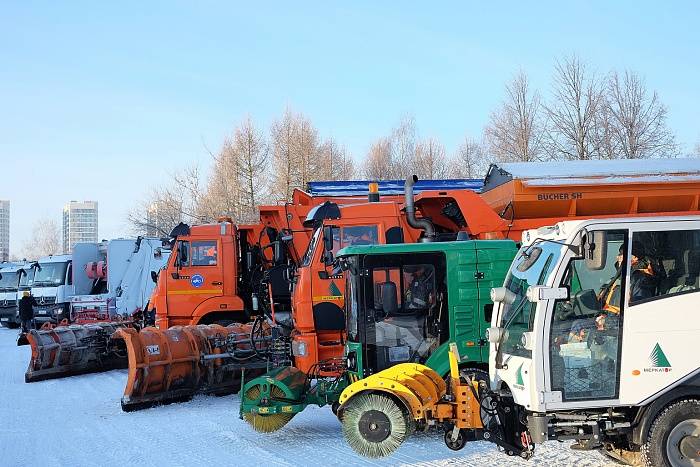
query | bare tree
[237, 181]
[576, 101]
[45, 239]
[377, 163]
[514, 132]
[638, 118]
[337, 161]
[470, 161]
[296, 155]
[430, 160]
[393, 157]
[282, 134]
[181, 200]
[696, 151]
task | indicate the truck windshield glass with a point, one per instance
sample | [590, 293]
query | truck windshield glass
[518, 313]
[306, 260]
[27, 279]
[9, 280]
[50, 275]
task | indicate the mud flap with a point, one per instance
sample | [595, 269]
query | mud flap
[72, 350]
[173, 365]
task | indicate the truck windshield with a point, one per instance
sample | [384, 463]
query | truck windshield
[8, 281]
[306, 260]
[27, 279]
[531, 267]
[50, 275]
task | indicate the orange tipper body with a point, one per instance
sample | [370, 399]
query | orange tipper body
[531, 195]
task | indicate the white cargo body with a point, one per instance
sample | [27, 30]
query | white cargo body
[126, 267]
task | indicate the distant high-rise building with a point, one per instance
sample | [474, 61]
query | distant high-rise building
[4, 230]
[79, 223]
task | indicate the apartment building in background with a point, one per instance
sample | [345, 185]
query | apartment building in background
[79, 223]
[4, 230]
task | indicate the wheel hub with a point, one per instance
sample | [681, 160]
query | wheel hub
[683, 445]
[374, 426]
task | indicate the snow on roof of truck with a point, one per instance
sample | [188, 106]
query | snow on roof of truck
[55, 259]
[591, 172]
[389, 187]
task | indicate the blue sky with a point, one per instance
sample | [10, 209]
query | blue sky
[100, 100]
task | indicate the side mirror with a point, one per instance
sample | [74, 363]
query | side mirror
[158, 252]
[154, 277]
[389, 303]
[595, 249]
[328, 258]
[328, 238]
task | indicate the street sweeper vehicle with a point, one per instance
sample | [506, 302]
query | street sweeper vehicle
[592, 340]
[639, 193]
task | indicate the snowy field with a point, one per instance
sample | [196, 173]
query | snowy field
[78, 421]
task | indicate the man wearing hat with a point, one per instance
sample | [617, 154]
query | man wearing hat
[26, 311]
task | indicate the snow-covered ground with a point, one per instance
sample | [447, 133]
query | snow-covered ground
[78, 421]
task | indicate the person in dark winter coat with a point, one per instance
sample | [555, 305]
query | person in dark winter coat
[26, 311]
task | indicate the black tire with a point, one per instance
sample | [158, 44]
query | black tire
[662, 447]
[11, 325]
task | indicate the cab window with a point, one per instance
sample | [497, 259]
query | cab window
[664, 264]
[203, 253]
[354, 235]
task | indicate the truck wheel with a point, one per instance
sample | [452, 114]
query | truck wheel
[674, 437]
[11, 324]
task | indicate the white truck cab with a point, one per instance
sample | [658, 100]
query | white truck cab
[52, 288]
[9, 282]
[595, 337]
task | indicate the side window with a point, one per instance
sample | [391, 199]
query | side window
[204, 253]
[183, 254]
[360, 235]
[664, 264]
[354, 235]
[585, 332]
[418, 287]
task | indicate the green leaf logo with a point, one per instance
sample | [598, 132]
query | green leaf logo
[519, 376]
[658, 358]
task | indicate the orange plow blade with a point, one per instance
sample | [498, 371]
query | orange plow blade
[73, 350]
[173, 365]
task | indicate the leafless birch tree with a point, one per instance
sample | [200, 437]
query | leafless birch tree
[431, 161]
[45, 240]
[577, 99]
[514, 132]
[638, 118]
[470, 160]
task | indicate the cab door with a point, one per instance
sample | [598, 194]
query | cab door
[195, 277]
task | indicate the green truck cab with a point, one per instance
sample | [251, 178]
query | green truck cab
[406, 302]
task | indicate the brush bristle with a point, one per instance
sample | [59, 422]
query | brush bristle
[267, 423]
[351, 430]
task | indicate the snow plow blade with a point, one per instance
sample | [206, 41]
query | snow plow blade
[73, 350]
[175, 364]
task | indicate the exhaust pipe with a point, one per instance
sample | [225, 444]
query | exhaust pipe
[424, 224]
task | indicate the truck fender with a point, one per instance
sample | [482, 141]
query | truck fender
[218, 304]
[646, 415]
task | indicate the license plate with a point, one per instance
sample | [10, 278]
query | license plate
[42, 312]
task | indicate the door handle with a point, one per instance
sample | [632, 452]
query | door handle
[216, 283]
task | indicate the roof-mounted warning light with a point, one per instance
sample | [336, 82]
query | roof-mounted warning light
[373, 196]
